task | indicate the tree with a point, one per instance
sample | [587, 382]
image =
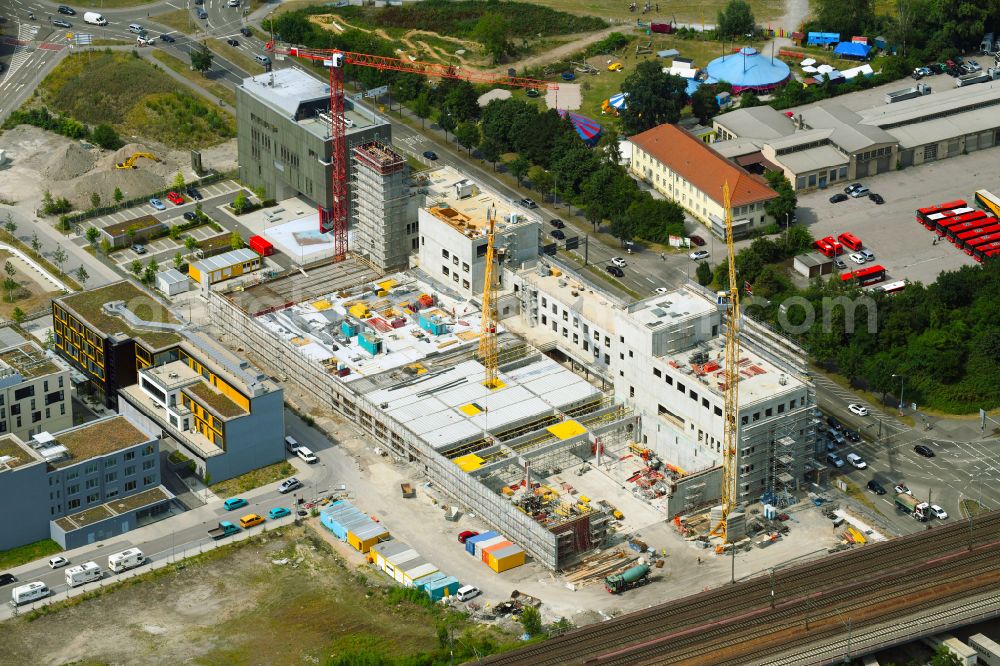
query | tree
[92, 234]
[175, 232]
[59, 256]
[944, 657]
[130, 233]
[239, 203]
[190, 244]
[519, 168]
[178, 260]
[179, 181]
[82, 276]
[848, 17]
[48, 203]
[531, 621]
[749, 100]
[36, 244]
[460, 99]
[703, 273]
[201, 59]
[467, 134]
[18, 316]
[540, 179]
[105, 247]
[490, 151]
[782, 207]
[235, 240]
[10, 284]
[135, 267]
[704, 105]
[95, 199]
[491, 31]
[654, 98]
[735, 19]
[118, 196]
[106, 137]
[422, 107]
[446, 122]
[149, 275]
[10, 225]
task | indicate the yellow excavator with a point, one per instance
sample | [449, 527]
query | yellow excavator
[130, 162]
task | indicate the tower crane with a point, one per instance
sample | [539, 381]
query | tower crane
[489, 322]
[732, 376]
[337, 217]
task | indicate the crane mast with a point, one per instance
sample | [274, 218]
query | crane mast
[732, 367]
[488, 324]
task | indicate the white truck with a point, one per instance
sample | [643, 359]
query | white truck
[84, 573]
[125, 560]
[25, 594]
[94, 18]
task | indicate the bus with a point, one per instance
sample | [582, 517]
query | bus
[923, 213]
[960, 223]
[986, 251]
[937, 219]
[864, 276]
[890, 287]
[970, 245]
[986, 229]
[988, 201]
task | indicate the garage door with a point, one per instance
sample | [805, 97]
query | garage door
[971, 143]
[883, 164]
[954, 147]
[906, 157]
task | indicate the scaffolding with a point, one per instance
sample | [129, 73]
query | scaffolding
[380, 202]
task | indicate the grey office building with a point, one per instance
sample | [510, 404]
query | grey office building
[284, 135]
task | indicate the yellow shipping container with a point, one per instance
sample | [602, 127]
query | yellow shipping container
[509, 560]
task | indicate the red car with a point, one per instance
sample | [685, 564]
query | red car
[467, 534]
[697, 240]
[175, 198]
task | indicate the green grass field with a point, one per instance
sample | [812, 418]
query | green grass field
[184, 69]
[28, 553]
[687, 11]
[130, 93]
[255, 479]
[178, 19]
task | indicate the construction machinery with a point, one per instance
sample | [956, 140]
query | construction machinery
[628, 579]
[336, 218]
[488, 325]
[732, 376]
[133, 158]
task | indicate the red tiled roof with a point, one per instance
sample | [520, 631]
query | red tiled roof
[697, 163]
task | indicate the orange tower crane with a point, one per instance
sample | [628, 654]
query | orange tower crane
[488, 354]
[336, 218]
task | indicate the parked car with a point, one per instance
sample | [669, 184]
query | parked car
[860, 410]
[278, 512]
[288, 485]
[7, 579]
[876, 487]
[938, 512]
[699, 255]
[175, 198]
[430, 154]
[924, 451]
[144, 40]
[853, 186]
[834, 423]
[852, 436]
[234, 503]
[306, 455]
[167, 38]
[57, 561]
[860, 192]
[61, 23]
[557, 234]
[232, 42]
[839, 264]
[157, 204]
[193, 192]
[68, 11]
[466, 535]
[250, 520]
[857, 462]
[190, 216]
[619, 262]
[857, 258]
[202, 14]
[528, 203]
[617, 272]
[877, 198]
[835, 460]
[697, 240]
[660, 291]
[557, 223]
[837, 198]
[139, 248]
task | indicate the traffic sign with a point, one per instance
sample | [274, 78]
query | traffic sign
[375, 92]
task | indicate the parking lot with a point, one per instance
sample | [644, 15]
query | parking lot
[900, 244]
[164, 249]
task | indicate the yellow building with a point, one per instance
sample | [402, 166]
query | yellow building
[224, 266]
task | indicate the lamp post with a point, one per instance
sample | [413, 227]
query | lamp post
[901, 380]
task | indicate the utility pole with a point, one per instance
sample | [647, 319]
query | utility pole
[586, 250]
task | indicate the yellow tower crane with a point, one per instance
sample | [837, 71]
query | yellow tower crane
[732, 385]
[488, 325]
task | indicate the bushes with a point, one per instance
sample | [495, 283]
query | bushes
[612, 42]
[41, 117]
[105, 136]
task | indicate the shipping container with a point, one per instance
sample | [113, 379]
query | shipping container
[424, 582]
[470, 543]
[261, 246]
[506, 558]
[415, 570]
[442, 587]
[482, 545]
[352, 525]
[499, 545]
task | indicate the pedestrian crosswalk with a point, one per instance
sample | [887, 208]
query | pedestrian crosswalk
[25, 33]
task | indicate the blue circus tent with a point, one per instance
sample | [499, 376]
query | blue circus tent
[852, 50]
[749, 70]
[589, 130]
[619, 101]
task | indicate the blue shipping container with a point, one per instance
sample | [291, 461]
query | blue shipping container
[348, 329]
[424, 582]
[442, 587]
[470, 543]
[823, 38]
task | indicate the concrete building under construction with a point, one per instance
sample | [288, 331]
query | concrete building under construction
[386, 231]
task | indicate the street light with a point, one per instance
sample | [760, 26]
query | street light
[901, 379]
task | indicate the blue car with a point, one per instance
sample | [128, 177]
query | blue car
[234, 503]
[157, 204]
[278, 512]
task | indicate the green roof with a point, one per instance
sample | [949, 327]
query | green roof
[29, 360]
[216, 400]
[99, 438]
[88, 305]
[17, 455]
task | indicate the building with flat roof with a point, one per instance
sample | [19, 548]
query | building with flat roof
[225, 266]
[454, 225]
[35, 393]
[386, 207]
[283, 141]
[689, 172]
[80, 485]
[229, 421]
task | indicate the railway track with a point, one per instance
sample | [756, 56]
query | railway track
[743, 605]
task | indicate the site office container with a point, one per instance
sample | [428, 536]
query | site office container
[483, 545]
[851, 241]
[442, 587]
[261, 246]
[470, 543]
[500, 545]
[503, 559]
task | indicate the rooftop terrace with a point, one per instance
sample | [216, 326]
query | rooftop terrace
[88, 305]
[463, 204]
[98, 438]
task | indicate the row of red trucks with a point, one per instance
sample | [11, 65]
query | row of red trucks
[975, 232]
[832, 247]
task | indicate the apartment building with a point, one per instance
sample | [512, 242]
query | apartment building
[35, 391]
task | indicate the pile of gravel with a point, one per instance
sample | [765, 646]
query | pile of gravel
[68, 161]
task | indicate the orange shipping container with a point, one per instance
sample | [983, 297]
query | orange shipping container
[496, 546]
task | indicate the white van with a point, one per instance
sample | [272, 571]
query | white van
[467, 592]
[25, 594]
[135, 27]
[291, 444]
[856, 461]
[125, 560]
[94, 18]
[84, 573]
[306, 455]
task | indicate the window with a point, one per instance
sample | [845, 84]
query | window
[768, 412]
[681, 387]
[454, 260]
[130, 470]
[670, 380]
[15, 409]
[481, 251]
[693, 395]
[110, 462]
[781, 409]
[91, 468]
[130, 485]
[36, 417]
[129, 455]
[93, 498]
[73, 504]
[25, 392]
[111, 493]
[148, 480]
[545, 320]
[465, 267]
[704, 403]
[586, 345]
[445, 270]
[148, 464]
[717, 411]
[147, 450]
[657, 372]
[110, 476]
[73, 489]
[630, 354]
[812, 180]
[444, 253]
[72, 475]
[743, 420]
[756, 416]
[92, 483]
[465, 284]
[631, 391]
[454, 276]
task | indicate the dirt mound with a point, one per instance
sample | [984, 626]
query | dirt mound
[126, 151]
[68, 161]
[134, 183]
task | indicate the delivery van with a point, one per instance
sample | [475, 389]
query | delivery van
[94, 18]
